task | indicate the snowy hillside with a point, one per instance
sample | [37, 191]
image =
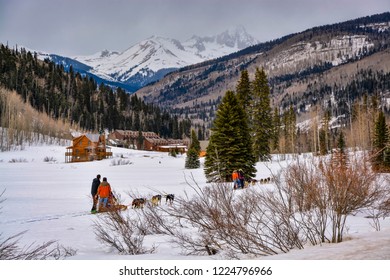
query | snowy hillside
[336, 51]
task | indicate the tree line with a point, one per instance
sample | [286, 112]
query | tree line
[68, 95]
[247, 129]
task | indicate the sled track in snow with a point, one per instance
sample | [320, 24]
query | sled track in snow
[47, 218]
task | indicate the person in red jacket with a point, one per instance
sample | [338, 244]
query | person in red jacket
[103, 192]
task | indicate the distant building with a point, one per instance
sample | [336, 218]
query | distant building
[148, 141]
[203, 147]
[88, 147]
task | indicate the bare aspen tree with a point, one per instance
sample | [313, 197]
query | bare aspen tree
[23, 125]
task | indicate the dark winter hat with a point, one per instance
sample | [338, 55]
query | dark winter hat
[98, 176]
[104, 179]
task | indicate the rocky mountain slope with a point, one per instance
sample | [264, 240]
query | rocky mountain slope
[314, 66]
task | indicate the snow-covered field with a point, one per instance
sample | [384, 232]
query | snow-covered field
[51, 200]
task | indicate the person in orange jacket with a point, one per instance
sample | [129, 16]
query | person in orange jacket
[235, 179]
[103, 193]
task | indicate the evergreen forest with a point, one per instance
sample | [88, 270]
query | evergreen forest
[67, 95]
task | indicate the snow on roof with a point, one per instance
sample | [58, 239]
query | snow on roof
[173, 146]
[93, 137]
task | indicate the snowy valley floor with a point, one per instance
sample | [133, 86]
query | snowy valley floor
[51, 200]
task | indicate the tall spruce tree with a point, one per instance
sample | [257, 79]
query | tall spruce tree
[381, 143]
[243, 91]
[230, 145]
[276, 129]
[194, 141]
[290, 131]
[381, 137]
[339, 156]
[261, 116]
[192, 159]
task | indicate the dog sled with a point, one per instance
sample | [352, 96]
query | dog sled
[112, 205]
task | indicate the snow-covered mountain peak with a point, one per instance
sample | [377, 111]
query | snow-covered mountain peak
[236, 37]
[107, 53]
[96, 58]
[158, 41]
[158, 54]
[231, 40]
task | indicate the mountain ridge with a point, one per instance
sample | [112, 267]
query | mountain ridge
[148, 60]
[290, 62]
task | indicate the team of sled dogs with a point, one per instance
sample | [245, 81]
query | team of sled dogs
[260, 181]
[113, 204]
[169, 198]
[155, 200]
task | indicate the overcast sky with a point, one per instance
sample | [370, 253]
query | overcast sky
[83, 27]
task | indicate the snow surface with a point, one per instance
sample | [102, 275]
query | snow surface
[51, 200]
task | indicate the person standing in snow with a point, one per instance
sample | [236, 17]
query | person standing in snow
[241, 178]
[103, 192]
[235, 179]
[94, 188]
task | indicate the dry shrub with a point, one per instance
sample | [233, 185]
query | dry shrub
[117, 230]
[326, 192]
[308, 203]
[219, 219]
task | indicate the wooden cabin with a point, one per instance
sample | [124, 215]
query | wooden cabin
[88, 147]
[148, 141]
[181, 149]
[133, 139]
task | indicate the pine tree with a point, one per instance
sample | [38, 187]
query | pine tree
[243, 91]
[381, 137]
[194, 141]
[192, 160]
[341, 142]
[339, 156]
[276, 130]
[381, 142]
[261, 116]
[289, 121]
[230, 145]
[322, 139]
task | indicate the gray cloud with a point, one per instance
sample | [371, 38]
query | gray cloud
[75, 27]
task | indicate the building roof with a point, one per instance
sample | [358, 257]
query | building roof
[93, 137]
[136, 133]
